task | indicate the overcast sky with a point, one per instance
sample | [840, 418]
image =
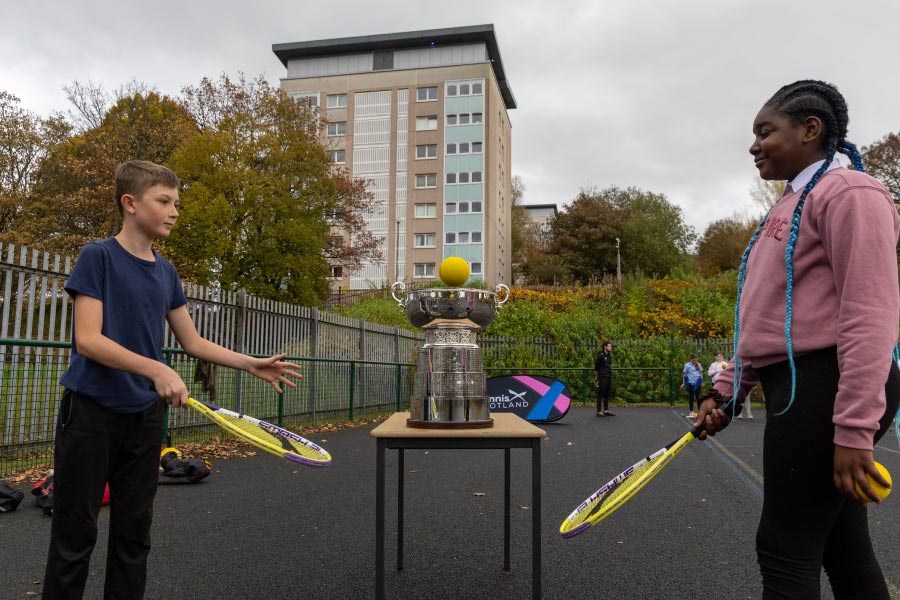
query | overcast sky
[656, 94]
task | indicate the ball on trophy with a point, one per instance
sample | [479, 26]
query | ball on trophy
[454, 271]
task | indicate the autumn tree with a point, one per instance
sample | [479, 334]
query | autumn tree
[260, 199]
[25, 141]
[882, 161]
[722, 244]
[767, 193]
[72, 201]
[654, 238]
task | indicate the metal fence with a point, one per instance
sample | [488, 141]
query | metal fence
[331, 390]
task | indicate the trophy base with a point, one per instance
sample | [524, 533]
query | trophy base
[450, 424]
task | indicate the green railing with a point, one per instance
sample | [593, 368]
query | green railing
[331, 390]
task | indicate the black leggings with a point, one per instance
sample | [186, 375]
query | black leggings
[806, 523]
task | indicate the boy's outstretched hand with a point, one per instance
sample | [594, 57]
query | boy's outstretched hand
[275, 371]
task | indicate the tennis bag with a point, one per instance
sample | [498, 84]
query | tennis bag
[175, 471]
[43, 490]
[10, 497]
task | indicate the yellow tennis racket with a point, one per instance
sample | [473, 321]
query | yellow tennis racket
[265, 436]
[619, 490]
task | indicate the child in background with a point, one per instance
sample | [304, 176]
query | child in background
[693, 381]
[816, 324]
[111, 414]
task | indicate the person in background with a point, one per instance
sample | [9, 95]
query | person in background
[692, 382]
[603, 369]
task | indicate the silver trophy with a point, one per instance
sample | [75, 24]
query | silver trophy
[450, 388]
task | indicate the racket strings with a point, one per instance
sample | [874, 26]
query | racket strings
[612, 496]
[310, 451]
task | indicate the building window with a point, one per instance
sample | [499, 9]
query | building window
[451, 119]
[451, 148]
[424, 269]
[451, 90]
[428, 180]
[476, 268]
[426, 151]
[477, 117]
[451, 177]
[337, 271]
[450, 238]
[463, 207]
[464, 119]
[463, 237]
[428, 94]
[476, 176]
[463, 178]
[337, 100]
[426, 210]
[464, 89]
[476, 207]
[476, 147]
[450, 208]
[426, 123]
[464, 147]
[382, 60]
[307, 99]
[338, 157]
[335, 129]
[425, 240]
[476, 89]
[476, 237]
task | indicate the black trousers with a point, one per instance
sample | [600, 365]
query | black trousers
[806, 523]
[95, 446]
[604, 387]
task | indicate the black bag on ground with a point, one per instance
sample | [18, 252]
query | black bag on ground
[176, 471]
[10, 497]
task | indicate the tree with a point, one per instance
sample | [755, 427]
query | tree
[767, 193]
[72, 201]
[519, 233]
[25, 140]
[654, 237]
[882, 161]
[259, 194]
[722, 244]
[91, 101]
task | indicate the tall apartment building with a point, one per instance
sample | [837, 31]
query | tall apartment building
[422, 116]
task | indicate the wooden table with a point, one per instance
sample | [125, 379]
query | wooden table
[509, 431]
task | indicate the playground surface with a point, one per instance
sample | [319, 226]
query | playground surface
[261, 528]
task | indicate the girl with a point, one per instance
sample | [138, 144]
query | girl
[815, 323]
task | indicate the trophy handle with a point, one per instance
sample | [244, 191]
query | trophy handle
[402, 287]
[500, 287]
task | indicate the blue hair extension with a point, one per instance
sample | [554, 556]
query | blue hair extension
[789, 266]
[742, 271]
[850, 150]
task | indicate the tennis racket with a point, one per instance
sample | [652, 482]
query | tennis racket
[619, 490]
[265, 436]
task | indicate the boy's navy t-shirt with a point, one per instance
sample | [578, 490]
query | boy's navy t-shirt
[136, 294]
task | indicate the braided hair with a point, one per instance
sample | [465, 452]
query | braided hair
[797, 101]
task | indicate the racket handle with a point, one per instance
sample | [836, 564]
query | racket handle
[726, 408]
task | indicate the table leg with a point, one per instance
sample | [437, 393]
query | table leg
[536, 518]
[506, 502]
[379, 520]
[400, 471]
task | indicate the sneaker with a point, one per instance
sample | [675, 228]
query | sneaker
[749, 416]
[742, 417]
[609, 413]
[600, 414]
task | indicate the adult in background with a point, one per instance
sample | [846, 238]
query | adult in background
[603, 367]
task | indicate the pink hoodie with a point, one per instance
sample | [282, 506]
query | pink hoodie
[845, 295]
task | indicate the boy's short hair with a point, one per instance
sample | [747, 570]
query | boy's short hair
[135, 177]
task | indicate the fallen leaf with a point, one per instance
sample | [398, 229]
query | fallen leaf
[478, 493]
[524, 507]
[414, 471]
[569, 444]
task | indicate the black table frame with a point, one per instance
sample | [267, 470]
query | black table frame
[449, 443]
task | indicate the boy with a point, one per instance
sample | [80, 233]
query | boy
[111, 413]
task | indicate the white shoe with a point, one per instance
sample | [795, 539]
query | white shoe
[742, 416]
[749, 416]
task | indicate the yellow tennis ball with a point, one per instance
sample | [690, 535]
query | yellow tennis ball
[724, 365]
[454, 271]
[880, 491]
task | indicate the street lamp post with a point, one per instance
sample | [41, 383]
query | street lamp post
[618, 262]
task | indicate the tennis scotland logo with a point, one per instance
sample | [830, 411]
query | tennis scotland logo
[532, 397]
